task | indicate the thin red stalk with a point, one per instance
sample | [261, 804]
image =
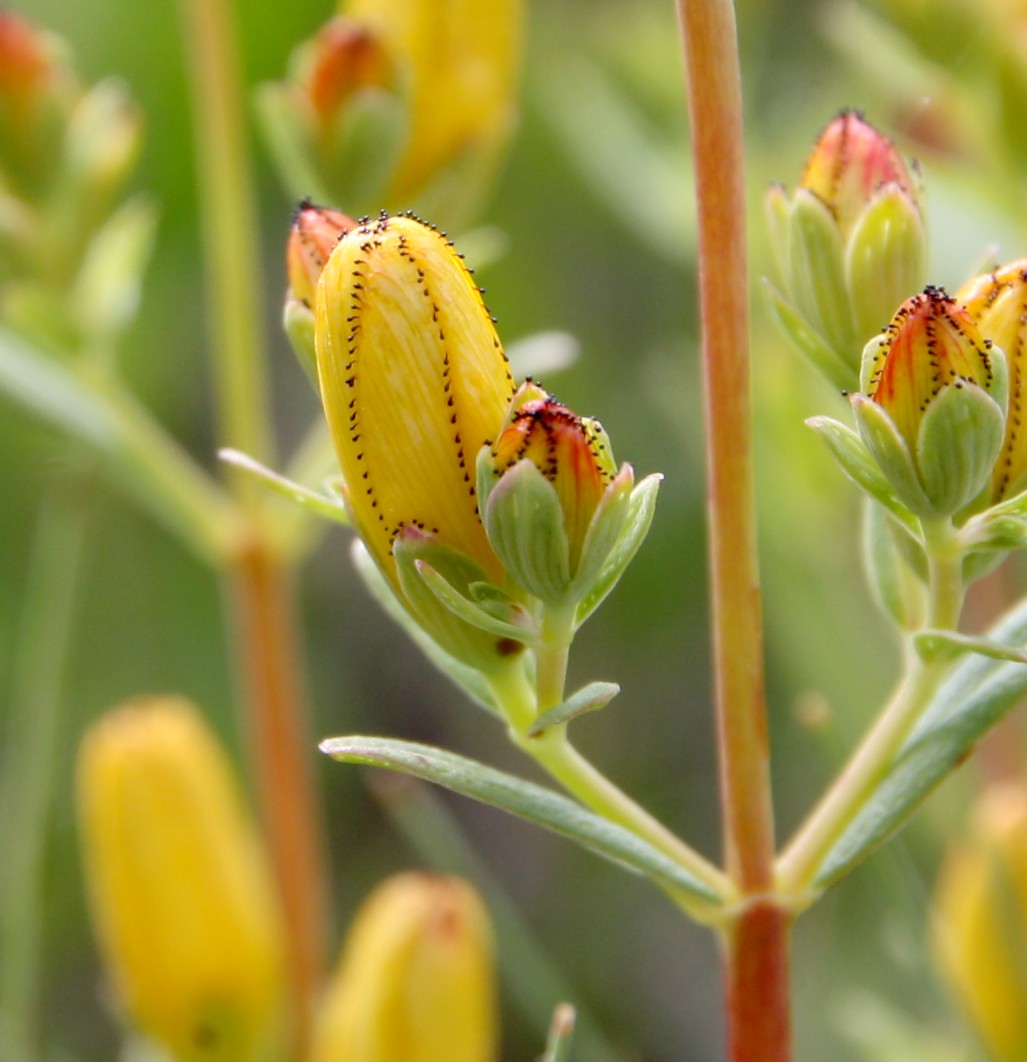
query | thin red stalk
[283, 756]
[757, 953]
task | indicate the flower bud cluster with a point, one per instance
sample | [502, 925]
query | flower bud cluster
[65, 153]
[403, 102]
[482, 506]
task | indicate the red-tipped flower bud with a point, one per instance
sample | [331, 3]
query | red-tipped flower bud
[932, 410]
[850, 243]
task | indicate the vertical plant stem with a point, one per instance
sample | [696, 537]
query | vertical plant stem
[29, 768]
[759, 1021]
[230, 227]
[283, 765]
[273, 704]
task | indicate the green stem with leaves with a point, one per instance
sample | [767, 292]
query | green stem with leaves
[757, 944]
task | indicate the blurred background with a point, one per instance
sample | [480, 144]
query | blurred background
[593, 218]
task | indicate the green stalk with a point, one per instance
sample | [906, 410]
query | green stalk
[33, 753]
[757, 959]
[230, 228]
[871, 761]
[271, 689]
[554, 753]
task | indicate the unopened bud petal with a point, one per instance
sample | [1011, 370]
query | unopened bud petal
[181, 895]
[416, 980]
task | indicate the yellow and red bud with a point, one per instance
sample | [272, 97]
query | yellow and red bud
[932, 411]
[930, 343]
[849, 166]
[315, 232]
[27, 60]
[181, 895]
[997, 302]
[459, 62]
[416, 981]
[343, 58]
[980, 922]
[571, 452]
[414, 382]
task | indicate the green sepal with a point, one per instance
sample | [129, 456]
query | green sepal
[638, 520]
[525, 524]
[328, 506]
[365, 147]
[898, 589]
[797, 329]
[288, 142]
[603, 531]
[467, 678]
[298, 324]
[531, 802]
[504, 619]
[816, 274]
[884, 259]
[108, 285]
[959, 439]
[777, 211]
[589, 698]
[977, 692]
[855, 460]
[468, 642]
[888, 448]
[933, 645]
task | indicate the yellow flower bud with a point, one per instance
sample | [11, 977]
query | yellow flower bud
[181, 896]
[460, 59]
[416, 980]
[980, 922]
[998, 304]
[414, 382]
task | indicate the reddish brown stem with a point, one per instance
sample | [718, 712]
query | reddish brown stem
[758, 1012]
[757, 985]
[283, 755]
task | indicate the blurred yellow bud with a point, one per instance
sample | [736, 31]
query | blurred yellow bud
[980, 922]
[416, 980]
[460, 59]
[414, 382]
[180, 893]
[998, 304]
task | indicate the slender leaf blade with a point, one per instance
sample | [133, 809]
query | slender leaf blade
[526, 800]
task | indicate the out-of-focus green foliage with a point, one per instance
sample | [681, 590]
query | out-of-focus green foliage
[594, 205]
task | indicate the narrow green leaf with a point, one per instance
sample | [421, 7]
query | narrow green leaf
[976, 694]
[589, 698]
[561, 1031]
[933, 644]
[331, 508]
[524, 799]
